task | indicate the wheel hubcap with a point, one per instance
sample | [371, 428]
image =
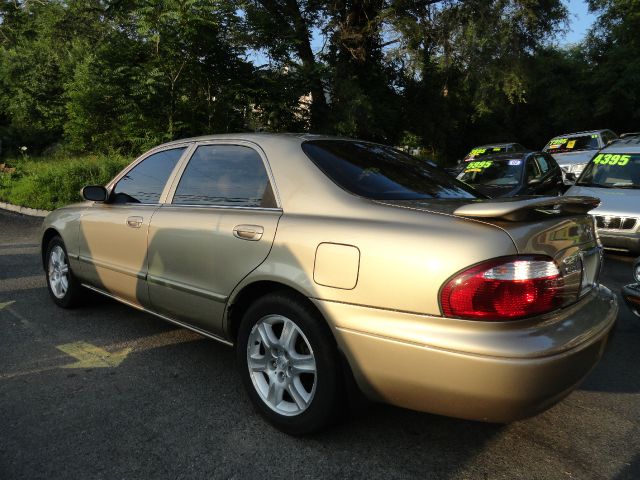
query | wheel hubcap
[58, 272]
[282, 365]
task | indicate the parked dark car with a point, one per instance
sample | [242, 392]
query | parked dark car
[513, 174]
[494, 149]
[631, 292]
[482, 151]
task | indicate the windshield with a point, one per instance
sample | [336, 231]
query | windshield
[490, 172]
[573, 143]
[611, 170]
[382, 173]
[484, 151]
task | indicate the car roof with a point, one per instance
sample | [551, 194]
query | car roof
[497, 144]
[297, 183]
[508, 156]
[256, 137]
[630, 144]
[586, 132]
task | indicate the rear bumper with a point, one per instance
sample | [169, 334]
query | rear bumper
[631, 295]
[475, 370]
[629, 241]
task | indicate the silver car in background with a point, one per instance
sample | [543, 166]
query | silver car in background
[573, 151]
[614, 176]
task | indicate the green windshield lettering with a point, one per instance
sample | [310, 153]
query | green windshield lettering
[477, 151]
[478, 165]
[612, 159]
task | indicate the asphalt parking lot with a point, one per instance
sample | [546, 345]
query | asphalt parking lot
[106, 391]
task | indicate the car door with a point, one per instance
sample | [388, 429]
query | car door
[218, 227]
[113, 234]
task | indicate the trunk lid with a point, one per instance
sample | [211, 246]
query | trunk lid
[558, 227]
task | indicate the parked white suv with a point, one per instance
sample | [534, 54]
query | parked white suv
[573, 151]
[613, 175]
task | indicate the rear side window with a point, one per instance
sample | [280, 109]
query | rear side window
[144, 182]
[383, 173]
[226, 175]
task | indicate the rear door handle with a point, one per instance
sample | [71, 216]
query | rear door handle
[134, 222]
[248, 232]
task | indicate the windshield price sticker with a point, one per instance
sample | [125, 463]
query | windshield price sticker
[571, 144]
[477, 151]
[515, 162]
[612, 159]
[556, 142]
[477, 166]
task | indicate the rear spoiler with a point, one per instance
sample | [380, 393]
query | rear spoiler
[518, 210]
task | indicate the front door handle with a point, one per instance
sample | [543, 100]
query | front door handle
[248, 232]
[134, 222]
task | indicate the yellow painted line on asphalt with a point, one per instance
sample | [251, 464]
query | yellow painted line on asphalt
[4, 246]
[6, 304]
[19, 251]
[90, 356]
[22, 283]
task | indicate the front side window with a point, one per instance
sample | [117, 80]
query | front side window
[226, 175]
[612, 170]
[144, 182]
[382, 173]
[543, 164]
[533, 171]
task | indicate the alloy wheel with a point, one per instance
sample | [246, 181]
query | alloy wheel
[282, 365]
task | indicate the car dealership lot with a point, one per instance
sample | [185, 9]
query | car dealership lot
[105, 391]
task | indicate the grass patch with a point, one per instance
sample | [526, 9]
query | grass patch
[52, 182]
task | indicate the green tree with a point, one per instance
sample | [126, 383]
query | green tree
[613, 48]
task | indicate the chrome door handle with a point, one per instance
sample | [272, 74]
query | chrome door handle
[134, 222]
[248, 232]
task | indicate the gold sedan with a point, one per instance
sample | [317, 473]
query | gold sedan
[324, 259]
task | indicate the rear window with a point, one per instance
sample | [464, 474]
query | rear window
[382, 173]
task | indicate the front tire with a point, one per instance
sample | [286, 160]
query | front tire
[289, 364]
[64, 288]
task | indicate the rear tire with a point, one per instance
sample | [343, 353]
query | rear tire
[289, 364]
[64, 288]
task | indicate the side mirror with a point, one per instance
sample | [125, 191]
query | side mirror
[94, 193]
[571, 177]
[534, 182]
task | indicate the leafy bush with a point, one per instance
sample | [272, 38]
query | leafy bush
[49, 183]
